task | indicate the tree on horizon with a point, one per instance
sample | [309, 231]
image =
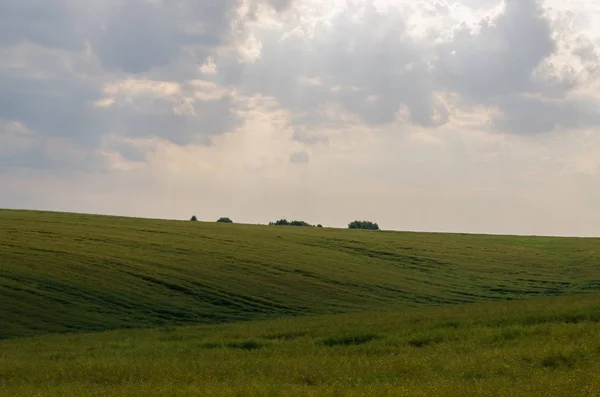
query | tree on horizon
[366, 225]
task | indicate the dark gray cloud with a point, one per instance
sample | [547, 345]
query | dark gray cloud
[58, 107]
[47, 23]
[136, 36]
[501, 57]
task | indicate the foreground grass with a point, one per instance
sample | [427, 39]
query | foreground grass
[79, 273]
[536, 347]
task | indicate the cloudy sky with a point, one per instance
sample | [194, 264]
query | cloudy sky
[437, 115]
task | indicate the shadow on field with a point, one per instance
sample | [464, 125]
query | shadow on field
[349, 340]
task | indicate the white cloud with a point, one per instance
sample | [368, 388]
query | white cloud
[209, 67]
[447, 115]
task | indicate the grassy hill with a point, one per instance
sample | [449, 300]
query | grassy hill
[535, 347]
[73, 273]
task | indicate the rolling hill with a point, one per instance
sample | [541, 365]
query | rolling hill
[63, 272]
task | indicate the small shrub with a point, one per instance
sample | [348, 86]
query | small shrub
[422, 341]
[224, 220]
[450, 324]
[209, 345]
[308, 380]
[348, 340]
[245, 345]
[285, 335]
[512, 333]
[310, 377]
[319, 225]
[194, 219]
[172, 337]
[558, 359]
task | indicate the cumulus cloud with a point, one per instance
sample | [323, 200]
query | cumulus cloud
[370, 62]
[499, 58]
[136, 36]
[361, 58]
[180, 114]
[72, 72]
[497, 66]
[157, 91]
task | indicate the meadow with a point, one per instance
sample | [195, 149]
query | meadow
[112, 306]
[535, 347]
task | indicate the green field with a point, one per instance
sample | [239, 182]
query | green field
[539, 347]
[290, 310]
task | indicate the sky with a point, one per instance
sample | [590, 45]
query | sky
[474, 116]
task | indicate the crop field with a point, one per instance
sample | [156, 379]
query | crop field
[69, 272]
[536, 347]
[112, 306]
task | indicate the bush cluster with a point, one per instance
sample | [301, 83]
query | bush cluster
[363, 225]
[285, 222]
[367, 225]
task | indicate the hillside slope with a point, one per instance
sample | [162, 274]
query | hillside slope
[71, 272]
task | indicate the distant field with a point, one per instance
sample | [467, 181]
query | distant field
[80, 273]
[537, 347]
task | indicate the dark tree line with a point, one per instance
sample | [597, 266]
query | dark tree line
[366, 225]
